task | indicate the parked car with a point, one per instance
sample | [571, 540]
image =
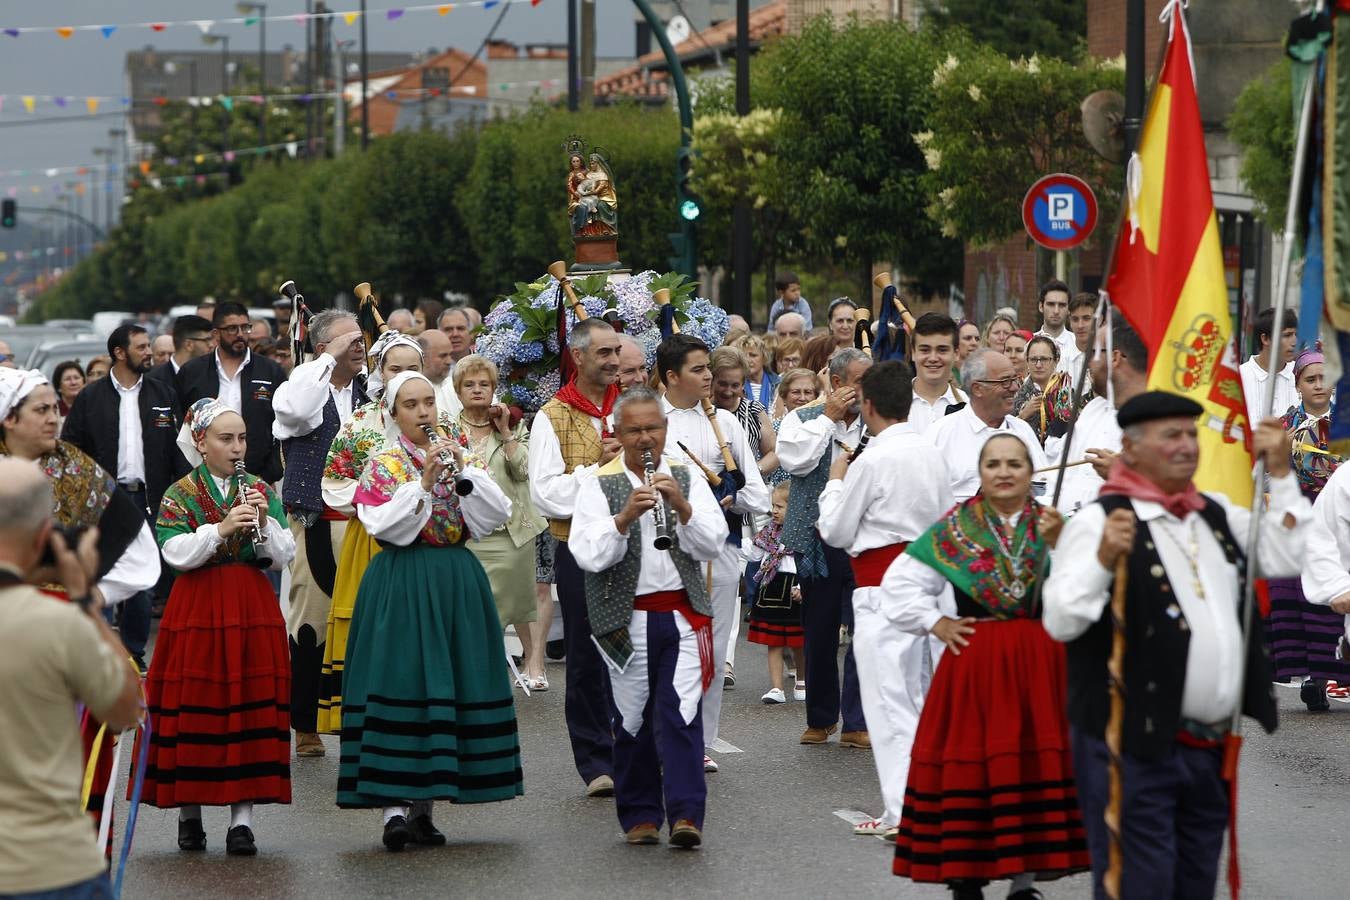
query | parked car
[48, 356]
[105, 322]
[81, 325]
[24, 339]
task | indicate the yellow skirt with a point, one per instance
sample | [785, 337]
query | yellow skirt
[358, 549]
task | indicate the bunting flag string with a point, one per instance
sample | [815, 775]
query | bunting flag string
[93, 102]
[391, 14]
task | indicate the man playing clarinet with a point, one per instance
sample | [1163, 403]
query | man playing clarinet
[651, 617]
[1187, 667]
[712, 439]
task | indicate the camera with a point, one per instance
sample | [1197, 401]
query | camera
[71, 534]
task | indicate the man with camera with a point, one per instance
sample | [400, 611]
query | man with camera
[53, 656]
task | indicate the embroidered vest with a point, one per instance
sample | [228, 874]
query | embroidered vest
[799, 526]
[301, 489]
[1157, 644]
[580, 447]
[609, 594]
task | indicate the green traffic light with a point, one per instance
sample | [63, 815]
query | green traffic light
[689, 210]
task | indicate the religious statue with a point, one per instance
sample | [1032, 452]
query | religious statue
[592, 207]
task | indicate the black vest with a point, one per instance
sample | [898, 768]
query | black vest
[302, 488]
[1157, 643]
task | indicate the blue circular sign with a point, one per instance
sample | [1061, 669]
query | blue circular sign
[1059, 212]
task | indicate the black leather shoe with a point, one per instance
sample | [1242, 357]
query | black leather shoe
[239, 841]
[425, 833]
[1026, 894]
[191, 835]
[396, 834]
[1313, 693]
[967, 889]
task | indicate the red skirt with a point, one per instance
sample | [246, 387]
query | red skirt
[219, 691]
[991, 791]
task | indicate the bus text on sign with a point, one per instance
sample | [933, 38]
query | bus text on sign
[1059, 212]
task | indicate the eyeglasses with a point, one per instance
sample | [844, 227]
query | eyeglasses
[234, 329]
[1040, 359]
[1010, 381]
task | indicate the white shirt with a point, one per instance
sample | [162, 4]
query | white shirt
[597, 544]
[962, 435]
[1326, 573]
[924, 415]
[552, 488]
[1077, 590]
[231, 391]
[1065, 340]
[399, 520]
[447, 401]
[298, 403]
[1096, 429]
[188, 551]
[871, 507]
[130, 448]
[1071, 359]
[802, 444]
[1254, 387]
[692, 428]
[136, 570]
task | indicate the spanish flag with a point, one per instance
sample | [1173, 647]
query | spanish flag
[1167, 277]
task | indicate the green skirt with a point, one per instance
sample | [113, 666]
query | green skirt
[427, 711]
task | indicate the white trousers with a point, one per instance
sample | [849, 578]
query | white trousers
[632, 686]
[892, 683]
[726, 626]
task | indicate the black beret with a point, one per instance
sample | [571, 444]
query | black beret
[1152, 405]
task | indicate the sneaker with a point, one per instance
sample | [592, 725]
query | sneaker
[871, 826]
[890, 834]
[774, 695]
[239, 841]
[685, 835]
[396, 834]
[729, 680]
[798, 691]
[709, 764]
[600, 786]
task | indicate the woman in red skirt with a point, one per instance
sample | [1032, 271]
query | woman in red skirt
[219, 685]
[991, 792]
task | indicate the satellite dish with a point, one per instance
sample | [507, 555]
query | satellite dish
[1103, 124]
[678, 30]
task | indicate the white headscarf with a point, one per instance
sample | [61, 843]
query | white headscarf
[15, 385]
[386, 342]
[396, 384]
[199, 418]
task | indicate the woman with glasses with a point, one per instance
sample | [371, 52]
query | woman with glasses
[1045, 400]
[787, 355]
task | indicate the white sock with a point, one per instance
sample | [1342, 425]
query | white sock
[1022, 882]
[189, 812]
[241, 814]
[391, 811]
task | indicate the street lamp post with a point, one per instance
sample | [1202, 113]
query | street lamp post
[224, 41]
[193, 100]
[117, 136]
[261, 10]
[108, 154]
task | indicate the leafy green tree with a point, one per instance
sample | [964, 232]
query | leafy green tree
[997, 125]
[1262, 124]
[1017, 28]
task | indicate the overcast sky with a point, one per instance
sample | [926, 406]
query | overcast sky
[89, 64]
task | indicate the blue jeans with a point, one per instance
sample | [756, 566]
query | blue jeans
[96, 888]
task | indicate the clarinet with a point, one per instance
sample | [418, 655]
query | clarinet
[463, 486]
[662, 541]
[862, 445]
[255, 534]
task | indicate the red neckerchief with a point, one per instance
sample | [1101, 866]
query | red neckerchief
[574, 398]
[1127, 482]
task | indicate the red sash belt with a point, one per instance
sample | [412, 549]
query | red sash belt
[332, 515]
[678, 601]
[870, 565]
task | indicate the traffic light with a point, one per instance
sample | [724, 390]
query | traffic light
[689, 205]
[9, 213]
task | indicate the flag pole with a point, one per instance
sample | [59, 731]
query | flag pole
[1304, 137]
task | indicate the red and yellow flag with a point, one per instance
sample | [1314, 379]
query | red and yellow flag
[1168, 279]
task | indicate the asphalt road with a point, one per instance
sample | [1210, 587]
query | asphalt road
[771, 828]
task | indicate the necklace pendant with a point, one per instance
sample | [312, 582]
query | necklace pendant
[1017, 589]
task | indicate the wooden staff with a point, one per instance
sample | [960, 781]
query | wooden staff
[883, 281]
[1055, 467]
[728, 461]
[714, 480]
[662, 298]
[1116, 676]
[559, 271]
[862, 335]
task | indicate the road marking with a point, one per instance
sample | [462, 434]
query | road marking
[722, 746]
[852, 816]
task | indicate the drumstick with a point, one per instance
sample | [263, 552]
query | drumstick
[1081, 462]
[714, 480]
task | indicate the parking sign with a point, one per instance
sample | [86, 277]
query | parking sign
[1059, 211]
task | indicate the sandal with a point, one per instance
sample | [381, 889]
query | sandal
[538, 682]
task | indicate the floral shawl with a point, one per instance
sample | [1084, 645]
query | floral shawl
[964, 548]
[195, 500]
[367, 432]
[1313, 460]
[770, 540]
[401, 464]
